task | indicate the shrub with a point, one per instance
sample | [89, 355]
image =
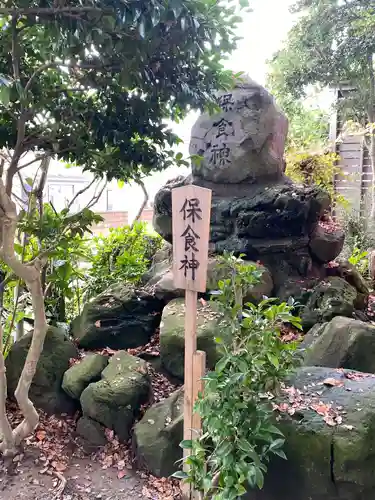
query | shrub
[313, 168]
[239, 435]
[124, 255]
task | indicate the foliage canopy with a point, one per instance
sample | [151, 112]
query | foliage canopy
[93, 82]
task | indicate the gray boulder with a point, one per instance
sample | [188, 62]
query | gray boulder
[172, 336]
[164, 288]
[245, 141]
[116, 399]
[92, 434]
[122, 317]
[329, 431]
[344, 269]
[157, 436]
[332, 297]
[326, 245]
[341, 343]
[81, 374]
[45, 391]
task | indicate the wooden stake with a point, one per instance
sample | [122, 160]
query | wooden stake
[199, 370]
[190, 348]
[191, 207]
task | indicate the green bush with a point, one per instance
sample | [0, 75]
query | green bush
[124, 255]
[239, 432]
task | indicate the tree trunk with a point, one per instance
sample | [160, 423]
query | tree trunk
[30, 273]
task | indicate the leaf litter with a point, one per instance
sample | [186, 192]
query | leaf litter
[298, 401]
[57, 445]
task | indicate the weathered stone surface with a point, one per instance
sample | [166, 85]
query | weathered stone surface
[121, 317]
[91, 432]
[115, 400]
[332, 297]
[264, 219]
[350, 273]
[164, 288]
[157, 436]
[243, 143]
[45, 391]
[81, 374]
[324, 462]
[341, 343]
[326, 245]
[172, 335]
[161, 261]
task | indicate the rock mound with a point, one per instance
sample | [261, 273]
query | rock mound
[172, 336]
[45, 391]
[122, 317]
[158, 435]
[341, 343]
[81, 374]
[116, 399]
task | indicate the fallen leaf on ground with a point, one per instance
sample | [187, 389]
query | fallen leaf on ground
[333, 382]
[41, 435]
[121, 474]
[59, 466]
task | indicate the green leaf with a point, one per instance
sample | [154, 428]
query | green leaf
[120, 183]
[155, 17]
[277, 444]
[186, 444]
[4, 95]
[222, 364]
[280, 453]
[259, 478]
[272, 358]
[180, 475]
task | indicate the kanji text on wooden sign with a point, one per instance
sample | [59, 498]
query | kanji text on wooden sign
[191, 206]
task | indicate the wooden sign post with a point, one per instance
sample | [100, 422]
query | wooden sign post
[191, 209]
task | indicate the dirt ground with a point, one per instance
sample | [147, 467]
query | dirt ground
[85, 480]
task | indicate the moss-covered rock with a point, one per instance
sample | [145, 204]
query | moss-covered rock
[325, 462]
[122, 317]
[341, 343]
[332, 297]
[115, 400]
[157, 436]
[172, 335]
[91, 433]
[81, 374]
[45, 391]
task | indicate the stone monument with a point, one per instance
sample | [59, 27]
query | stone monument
[256, 210]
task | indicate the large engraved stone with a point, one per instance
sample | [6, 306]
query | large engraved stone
[243, 143]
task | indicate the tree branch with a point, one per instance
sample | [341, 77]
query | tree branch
[81, 191]
[144, 203]
[21, 125]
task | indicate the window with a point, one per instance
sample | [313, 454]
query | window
[60, 195]
[110, 200]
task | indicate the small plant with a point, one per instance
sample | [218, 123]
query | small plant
[359, 259]
[124, 255]
[316, 169]
[239, 432]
